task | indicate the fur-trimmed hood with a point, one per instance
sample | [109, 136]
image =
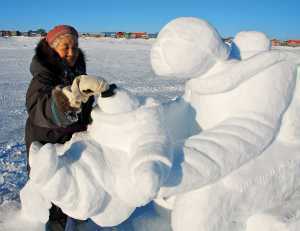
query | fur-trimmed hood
[46, 59]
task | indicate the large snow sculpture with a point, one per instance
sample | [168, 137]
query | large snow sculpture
[240, 105]
[104, 173]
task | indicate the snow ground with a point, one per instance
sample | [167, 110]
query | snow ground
[124, 62]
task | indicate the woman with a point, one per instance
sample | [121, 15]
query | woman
[60, 96]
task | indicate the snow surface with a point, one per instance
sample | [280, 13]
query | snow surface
[230, 165]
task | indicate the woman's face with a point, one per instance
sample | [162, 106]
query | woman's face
[67, 49]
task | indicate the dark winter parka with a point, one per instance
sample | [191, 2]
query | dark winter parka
[48, 71]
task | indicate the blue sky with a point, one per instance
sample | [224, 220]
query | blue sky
[277, 18]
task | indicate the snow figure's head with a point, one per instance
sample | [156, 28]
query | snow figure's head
[187, 48]
[121, 102]
[249, 43]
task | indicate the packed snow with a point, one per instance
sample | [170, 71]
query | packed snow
[213, 140]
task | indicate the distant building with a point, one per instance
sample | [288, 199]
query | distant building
[136, 35]
[276, 42]
[120, 35]
[293, 43]
[110, 34]
[101, 34]
[94, 35]
[15, 33]
[33, 33]
[24, 33]
[152, 35]
[5, 33]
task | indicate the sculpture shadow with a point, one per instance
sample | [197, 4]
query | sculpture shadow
[188, 127]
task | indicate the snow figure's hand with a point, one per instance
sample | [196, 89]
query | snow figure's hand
[142, 183]
[149, 177]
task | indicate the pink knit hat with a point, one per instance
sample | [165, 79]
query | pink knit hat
[60, 30]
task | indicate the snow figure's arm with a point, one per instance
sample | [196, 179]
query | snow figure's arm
[218, 151]
[254, 124]
[150, 158]
[232, 143]
[238, 72]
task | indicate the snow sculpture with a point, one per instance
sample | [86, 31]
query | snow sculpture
[104, 173]
[243, 109]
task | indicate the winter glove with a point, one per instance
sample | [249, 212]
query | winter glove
[66, 101]
[90, 85]
[83, 87]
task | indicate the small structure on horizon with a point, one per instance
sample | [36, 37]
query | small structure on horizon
[293, 43]
[152, 35]
[5, 33]
[135, 35]
[94, 35]
[121, 34]
[276, 42]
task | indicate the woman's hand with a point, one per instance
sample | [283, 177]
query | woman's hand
[90, 85]
[83, 87]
